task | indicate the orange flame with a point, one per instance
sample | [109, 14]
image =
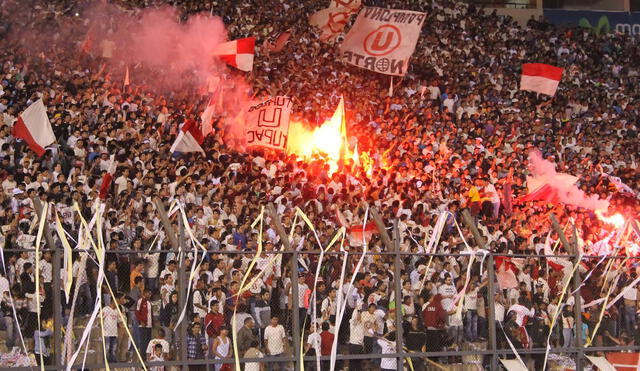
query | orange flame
[327, 141]
[616, 219]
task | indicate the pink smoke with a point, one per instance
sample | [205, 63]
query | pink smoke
[543, 172]
[165, 54]
[155, 39]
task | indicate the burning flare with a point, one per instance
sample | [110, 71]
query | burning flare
[616, 219]
[329, 140]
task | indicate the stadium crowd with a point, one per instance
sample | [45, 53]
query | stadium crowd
[454, 136]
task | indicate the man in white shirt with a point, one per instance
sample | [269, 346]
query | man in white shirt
[494, 198]
[275, 339]
[356, 338]
[121, 181]
[110, 319]
[388, 346]
[170, 269]
[312, 347]
[46, 270]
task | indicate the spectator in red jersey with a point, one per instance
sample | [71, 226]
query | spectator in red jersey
[434, 317]
[326, 343]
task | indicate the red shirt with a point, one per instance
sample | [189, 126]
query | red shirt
[212, 323]
[434, 315]
[326, 343]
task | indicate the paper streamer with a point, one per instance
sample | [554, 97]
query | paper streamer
[513, 348]
[584, 281]
[13, 306]
[89, 326]
[194, 267]
[82, 273]
[96, 248]
[433, 241]
[315, 280]
[43, 218]
[341, 296]
[621, 294]
[68, 260]
[100, 256]
[236, 356]
[340, 311]
[557, 311]
[604, 306]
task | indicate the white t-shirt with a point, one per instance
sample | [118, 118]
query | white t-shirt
[492, 193]
[46, 270]
[631, 293]
[274, 336]
[110, 319]
[152, 344]
[315, 340]
[388, 348]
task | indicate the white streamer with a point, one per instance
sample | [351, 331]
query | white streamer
[350, 287]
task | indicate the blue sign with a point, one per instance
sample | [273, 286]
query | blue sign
[599, 21]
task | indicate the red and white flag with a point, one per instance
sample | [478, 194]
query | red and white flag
[207, 115]
[360, 232]
[541, 78]
[189, 138]
[33, 127]
[237, 53]
[331, 20]
[107, 178]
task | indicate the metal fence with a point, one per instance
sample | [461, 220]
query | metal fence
[469, 338]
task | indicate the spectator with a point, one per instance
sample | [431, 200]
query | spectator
[222, 349]
[153, 344]
[275, 341]
[145, 318]
[196, 345]
[326, 343]
[110, 319]
[245, 336]
[253, 352]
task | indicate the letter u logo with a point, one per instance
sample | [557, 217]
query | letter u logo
[376, 45]
[383, 40]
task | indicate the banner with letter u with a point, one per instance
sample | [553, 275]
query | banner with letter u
[382, 40]
[267, 123]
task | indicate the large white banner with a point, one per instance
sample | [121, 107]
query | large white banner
[383, 40]
[267, 123]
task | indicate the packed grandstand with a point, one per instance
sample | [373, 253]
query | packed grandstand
[455, 134]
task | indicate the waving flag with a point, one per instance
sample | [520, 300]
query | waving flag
[189, 138]
[331, 20]
[540, 78]
[279, 44]
[237, 53]
[33, 127]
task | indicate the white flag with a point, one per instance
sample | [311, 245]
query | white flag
[383, 40]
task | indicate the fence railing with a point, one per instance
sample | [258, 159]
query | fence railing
[384, 319]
